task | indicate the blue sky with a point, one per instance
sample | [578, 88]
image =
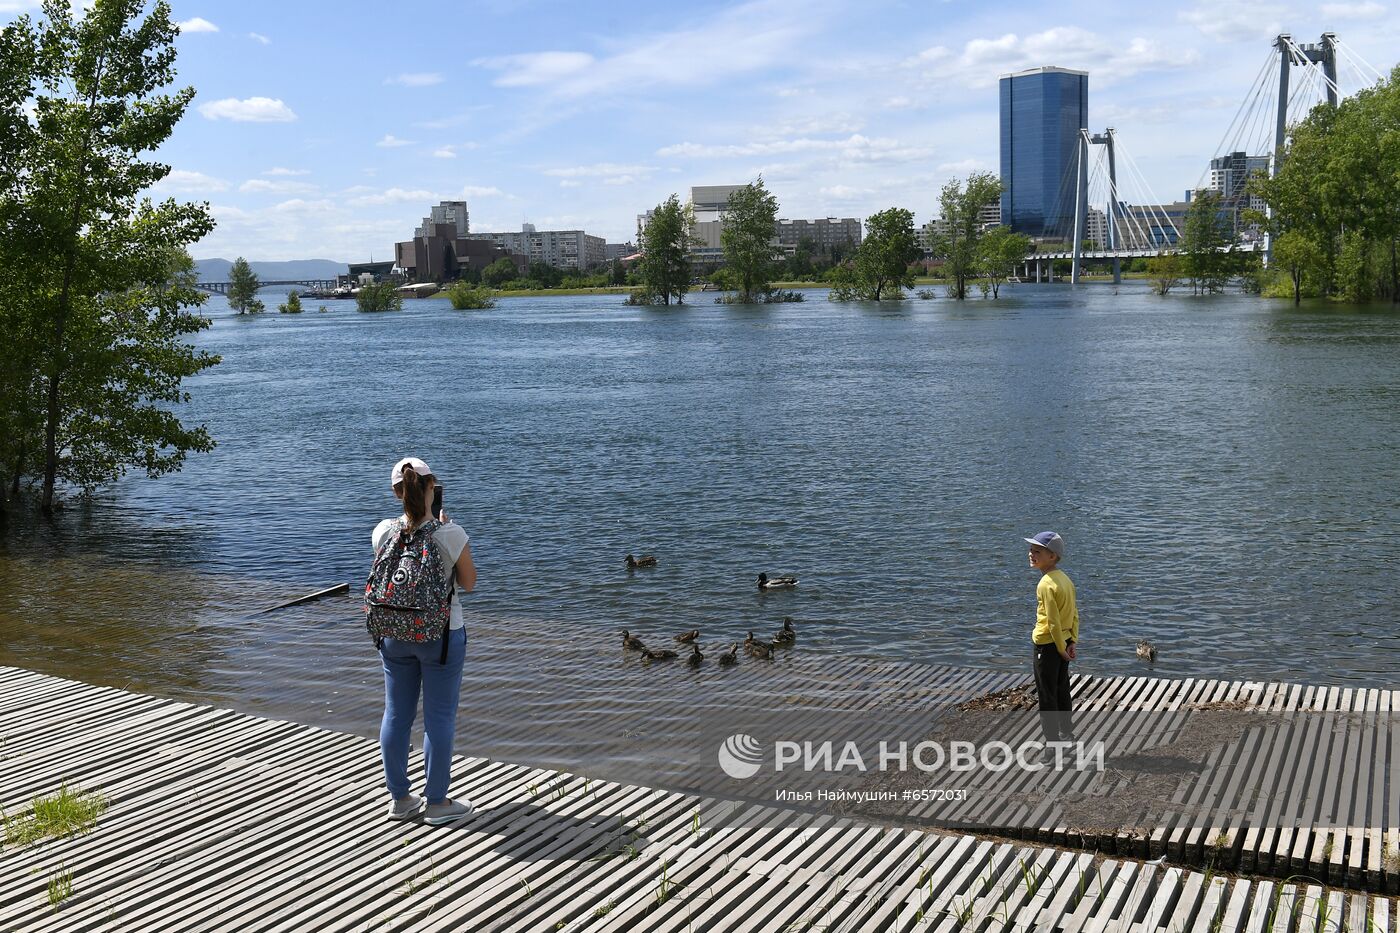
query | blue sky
[326, 129]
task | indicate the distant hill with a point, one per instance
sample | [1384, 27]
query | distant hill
[216, 270]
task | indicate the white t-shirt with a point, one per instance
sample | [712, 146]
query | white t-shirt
[450, 539]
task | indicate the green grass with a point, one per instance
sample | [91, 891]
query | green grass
[60, 887]
[67, 812]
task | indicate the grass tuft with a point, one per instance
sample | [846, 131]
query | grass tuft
[60, 887]
[67, 812]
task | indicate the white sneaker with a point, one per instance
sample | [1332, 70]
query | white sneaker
[405, 809]
[449, 811]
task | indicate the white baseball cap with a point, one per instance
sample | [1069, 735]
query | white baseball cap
[408, 463]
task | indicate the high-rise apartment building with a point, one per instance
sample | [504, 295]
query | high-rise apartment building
[562, 249]
[453, 213]
[1042, 113]
[825, 234]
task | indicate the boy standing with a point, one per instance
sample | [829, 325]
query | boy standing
[1056, 631]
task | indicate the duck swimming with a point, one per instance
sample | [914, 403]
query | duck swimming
[1146, 650]
[775, 583]
[695, 656]
[665, 654]
[762, 651]
[731, 656]
[646, 560]
[688, 638]
[632, 642]
[787, 634]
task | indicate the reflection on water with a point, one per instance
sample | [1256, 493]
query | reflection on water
[1224, 470]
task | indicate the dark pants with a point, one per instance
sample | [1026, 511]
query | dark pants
[1052, 687]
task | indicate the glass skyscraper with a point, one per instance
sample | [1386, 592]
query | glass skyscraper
[1042, 112]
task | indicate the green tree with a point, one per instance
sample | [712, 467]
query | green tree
[1000, 251]
[880, 268]
[665, 263]
[748, 238]
[1207, 244]
[467, 297]
[617, 275]
[957, 243]
[501, 271]
[292, 305]
[546, 275]
[1165, 270]
[243, 288]
[379, 296]
[95, 308]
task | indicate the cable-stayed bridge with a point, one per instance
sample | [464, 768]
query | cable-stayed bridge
[1115, 214]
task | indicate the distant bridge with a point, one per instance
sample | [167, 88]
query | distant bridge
[1040, 266]
[222, 287]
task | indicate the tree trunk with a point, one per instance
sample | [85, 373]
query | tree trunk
[1394, 275]
[1297, 286]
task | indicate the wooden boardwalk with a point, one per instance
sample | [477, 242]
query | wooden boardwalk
[223, 821]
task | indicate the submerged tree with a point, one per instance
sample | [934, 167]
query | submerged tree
[957, 244]
[1000, 251]
[749, 239]
[880, 268]
[1207, 244]
[95, 315]
[243, 288]
[292, 305]
[379, 296]
[665, 263]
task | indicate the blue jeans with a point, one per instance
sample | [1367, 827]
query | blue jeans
[408, 668]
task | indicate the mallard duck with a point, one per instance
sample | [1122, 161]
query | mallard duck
[646, 560]
[1146, 650]
[775, 583]
[665, 654]
[688, 638]
[695, 656]
[762, 651]
[787, 634]
[731, 656]
[632, 642]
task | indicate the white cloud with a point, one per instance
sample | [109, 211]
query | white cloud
[961, 166]
[983, 61]
[1241, 21]
[182, 181]
[599, 170]
[621, 180]
[899, 102]
[263, 186]
[444, 152]
[252, 110]
[855, 147]
[259, 38]
[279, 170]
[533, 69]
[845, 192]
[416, 79]
[1366, 10]
[475, 191]
[570, 183]
[390, 141]
[198, 24]
[747, 38]
[396, 196]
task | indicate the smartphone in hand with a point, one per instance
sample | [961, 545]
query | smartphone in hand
[437, 501]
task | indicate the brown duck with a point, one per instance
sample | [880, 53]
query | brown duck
[646, 560]
[787, 634]
[731, 656]
[688, 638]
[695, 656]
[632, 642]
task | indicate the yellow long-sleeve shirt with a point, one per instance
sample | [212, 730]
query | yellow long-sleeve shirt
[1056, 614]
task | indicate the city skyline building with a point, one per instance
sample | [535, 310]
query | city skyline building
[1042, 112]
[562, 249]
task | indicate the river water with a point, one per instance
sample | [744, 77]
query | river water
[1224, 471]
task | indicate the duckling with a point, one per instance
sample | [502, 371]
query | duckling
[632, 642]
[749, 643]
[695, 656]
[731, 656]
[688, 638]
[646, 560]
[665, 654]
[787, 634]
[775, 583]
[1146, 650]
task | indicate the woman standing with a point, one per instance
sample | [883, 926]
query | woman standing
[430, 667]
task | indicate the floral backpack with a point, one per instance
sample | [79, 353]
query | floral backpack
[407, 595]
